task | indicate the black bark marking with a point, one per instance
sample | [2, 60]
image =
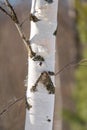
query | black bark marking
[40, 63]
[49, 120]
[34, 18]
[49, 1]
[33, 89]
[45, 79]
[28, 106]
[51, 73]
[55, 32]
[38, 58]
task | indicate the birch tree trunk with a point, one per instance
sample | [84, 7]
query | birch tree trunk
[41, 81]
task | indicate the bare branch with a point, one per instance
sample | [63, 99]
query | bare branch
[83, 61]
[72, 63]
[14, 18]
[13, 14]
[9, 106]
[24, 21]
[67, 65]
[25, 40]
[4, 11]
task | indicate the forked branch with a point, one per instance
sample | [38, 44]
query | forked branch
[14, 18]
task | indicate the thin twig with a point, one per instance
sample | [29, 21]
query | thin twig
[27, 18]
[64, 67]
[83, 60]
[73, 63]
[9, 106]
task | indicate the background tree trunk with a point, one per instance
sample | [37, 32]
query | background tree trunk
[67, 52]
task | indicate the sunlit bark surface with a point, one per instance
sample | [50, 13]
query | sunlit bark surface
[41, 97]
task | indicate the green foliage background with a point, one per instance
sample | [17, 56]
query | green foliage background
[81, 8]
[78, 119]
[81, 73]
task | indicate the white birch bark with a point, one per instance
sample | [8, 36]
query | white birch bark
[40, 115]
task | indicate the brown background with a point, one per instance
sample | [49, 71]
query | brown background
[13, 64]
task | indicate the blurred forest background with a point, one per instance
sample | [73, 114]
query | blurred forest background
[71, 49]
